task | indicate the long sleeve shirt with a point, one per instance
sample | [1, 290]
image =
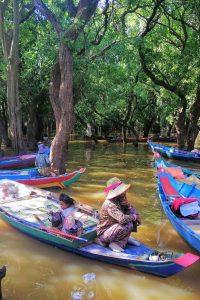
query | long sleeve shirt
[112, 213]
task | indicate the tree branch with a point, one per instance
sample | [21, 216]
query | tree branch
[3, 35]
[29, 13]
[71, 8]
[150, 21]
[49, 15]
[179, 19]
[85, 11]
[103, 50]
[172, 88]
[99, 36]
[129, 11]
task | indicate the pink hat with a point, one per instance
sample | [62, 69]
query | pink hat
[115, 187]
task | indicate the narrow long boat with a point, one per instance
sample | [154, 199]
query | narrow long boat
[19, 206]
[160, 162]
[169, 189]
[32, 177]
[17, 162]
[174, 153]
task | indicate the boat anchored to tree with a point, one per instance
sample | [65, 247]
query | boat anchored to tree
[32, 177]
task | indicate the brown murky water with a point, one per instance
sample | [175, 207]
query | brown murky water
[39, 271]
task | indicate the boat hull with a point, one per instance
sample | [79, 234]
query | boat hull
[190, 236]
[173, 153]
[60, 181]
[94, 251]
[159, 162]
[22, 161]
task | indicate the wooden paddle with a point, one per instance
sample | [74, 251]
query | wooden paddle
[57, 231]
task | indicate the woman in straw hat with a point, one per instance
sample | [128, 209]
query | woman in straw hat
[116, 217]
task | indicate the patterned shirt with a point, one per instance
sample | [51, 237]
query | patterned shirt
[42, 160]
[114, 213]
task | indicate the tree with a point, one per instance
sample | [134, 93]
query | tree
[61, 86]
[171, 63]
[10, 44]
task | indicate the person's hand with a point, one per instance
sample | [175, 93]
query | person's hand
[134, 216]
[139, 220]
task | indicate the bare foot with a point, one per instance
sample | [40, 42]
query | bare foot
[133, 242]
[99, 242]
[114, 247]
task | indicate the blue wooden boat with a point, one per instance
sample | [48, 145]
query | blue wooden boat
[33, 177]
[169, 189]
[17, 162]
[161, 163]
[19, 203]
[174, 153]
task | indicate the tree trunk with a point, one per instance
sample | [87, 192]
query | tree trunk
[147, 126]
[4, 133]
[181, 128]
[14, 109]
[124, 139]
[54, 93]
[193, 129]
[32, 125]
[169, 129]
[64, 114]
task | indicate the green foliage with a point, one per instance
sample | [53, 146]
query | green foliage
[106, 74]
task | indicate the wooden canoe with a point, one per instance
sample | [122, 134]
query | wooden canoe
[19, 212]
[17, 162]
[174, 153]
[169, 189]
[32, 177]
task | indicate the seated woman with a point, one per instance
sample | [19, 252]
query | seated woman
[42, 162]
[66, 219]
[117, 217]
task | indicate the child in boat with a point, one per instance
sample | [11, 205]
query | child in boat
[66, 220]
[117, 218]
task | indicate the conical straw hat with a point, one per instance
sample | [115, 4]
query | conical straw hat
[115, 187]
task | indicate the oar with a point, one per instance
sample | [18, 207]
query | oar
[57, 231]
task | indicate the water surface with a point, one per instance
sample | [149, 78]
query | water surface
[39, 271]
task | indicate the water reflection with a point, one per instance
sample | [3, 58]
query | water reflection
[38, 271]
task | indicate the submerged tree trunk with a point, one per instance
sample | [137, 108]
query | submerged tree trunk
[169, 129]
[10, 45]
[63, 109]
[193, 129]
[181, 128]
[148, 126]
[14, 108]
[124, 138]
[4, 133]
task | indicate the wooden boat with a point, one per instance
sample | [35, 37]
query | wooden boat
[174, 153]
[20, 203]
[161, 163]
[17, 162]
[32, 177]
[169, 189]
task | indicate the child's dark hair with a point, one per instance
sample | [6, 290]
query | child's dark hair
[66, 199]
